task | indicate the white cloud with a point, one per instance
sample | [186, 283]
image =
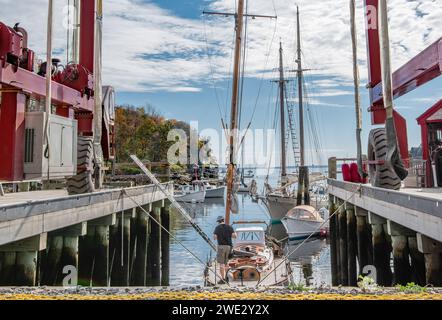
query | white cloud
[174, 48]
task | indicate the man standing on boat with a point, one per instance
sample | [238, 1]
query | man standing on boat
[223, 234]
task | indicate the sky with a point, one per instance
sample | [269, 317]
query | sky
[167, 54]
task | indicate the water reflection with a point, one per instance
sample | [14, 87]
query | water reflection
[310, 262]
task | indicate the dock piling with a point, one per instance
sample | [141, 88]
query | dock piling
[165, 245]
[139, 277]
[333, 239]
[432, 251]
[363, 235]
[343, 246]
[401, 253]
[381, 250]
[154, 247]
[351, 246]
[7, 272]
[417, 262]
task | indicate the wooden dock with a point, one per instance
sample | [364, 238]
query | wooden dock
[104, 237]
[394, 235]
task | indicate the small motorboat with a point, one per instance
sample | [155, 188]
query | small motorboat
[214, 191]
[302, 222]
[195, 193]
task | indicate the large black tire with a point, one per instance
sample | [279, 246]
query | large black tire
[83, 182]
[381, 175]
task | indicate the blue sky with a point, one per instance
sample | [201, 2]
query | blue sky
[165, 53]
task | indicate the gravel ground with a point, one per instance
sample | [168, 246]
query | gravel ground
[198, 293]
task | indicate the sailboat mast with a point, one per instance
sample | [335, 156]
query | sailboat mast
[282, 110]
[234, 110]
[300, 92]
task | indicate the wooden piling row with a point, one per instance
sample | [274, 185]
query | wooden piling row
[362, 243]
[122, 249]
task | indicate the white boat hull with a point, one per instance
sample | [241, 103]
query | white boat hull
[278, 274]
[193, 197]
[215, 193]
[278, 206]
[301, 229]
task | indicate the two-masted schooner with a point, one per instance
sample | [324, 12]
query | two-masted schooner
[285, 197]
[256, 260]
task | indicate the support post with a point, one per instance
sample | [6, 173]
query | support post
[351, 246]
[94, 253]
[343, 245]
[142, 240]
[417, 262]
[381, 250]
[7, 272]
[165, 245]
[432, 251]
[365, 249]
[333, 240]
[120, 247]
[51, 269]
[401, 259]
[154, 260]
[24, 255]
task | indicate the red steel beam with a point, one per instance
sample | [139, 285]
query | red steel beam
[423, 68]
[35, 85]
[87, 34]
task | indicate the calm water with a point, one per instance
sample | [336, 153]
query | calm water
[311, 262]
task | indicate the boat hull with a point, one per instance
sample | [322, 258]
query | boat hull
[301, 229]
[278, 206]
[277, 275]
[193, 197]
[215, 193]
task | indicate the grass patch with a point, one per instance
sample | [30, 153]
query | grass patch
[411, 288]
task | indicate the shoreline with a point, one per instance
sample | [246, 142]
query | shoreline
[200, 294]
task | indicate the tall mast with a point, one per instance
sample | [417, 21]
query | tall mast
[282, 110]
[234, 111]
[303, 181]
[354, 37]
[300, 92]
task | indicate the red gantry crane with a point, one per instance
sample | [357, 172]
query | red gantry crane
[420, 70]
[76, 136]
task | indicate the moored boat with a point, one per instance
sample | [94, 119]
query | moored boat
[302, 222]
[195, 193]
[256, 261]
[213, 191]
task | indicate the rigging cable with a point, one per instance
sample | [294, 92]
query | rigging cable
[167, 231]
[286, 257]
[213, 74]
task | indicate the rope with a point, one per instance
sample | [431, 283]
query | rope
[286, 257]
[170, 234]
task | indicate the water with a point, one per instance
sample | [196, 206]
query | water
[310, 262]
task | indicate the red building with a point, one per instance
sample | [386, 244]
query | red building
[431, 126]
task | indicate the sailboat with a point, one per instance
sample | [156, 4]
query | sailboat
[284, 198]
[256, 259]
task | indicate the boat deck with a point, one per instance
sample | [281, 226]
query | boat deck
[278, 278]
